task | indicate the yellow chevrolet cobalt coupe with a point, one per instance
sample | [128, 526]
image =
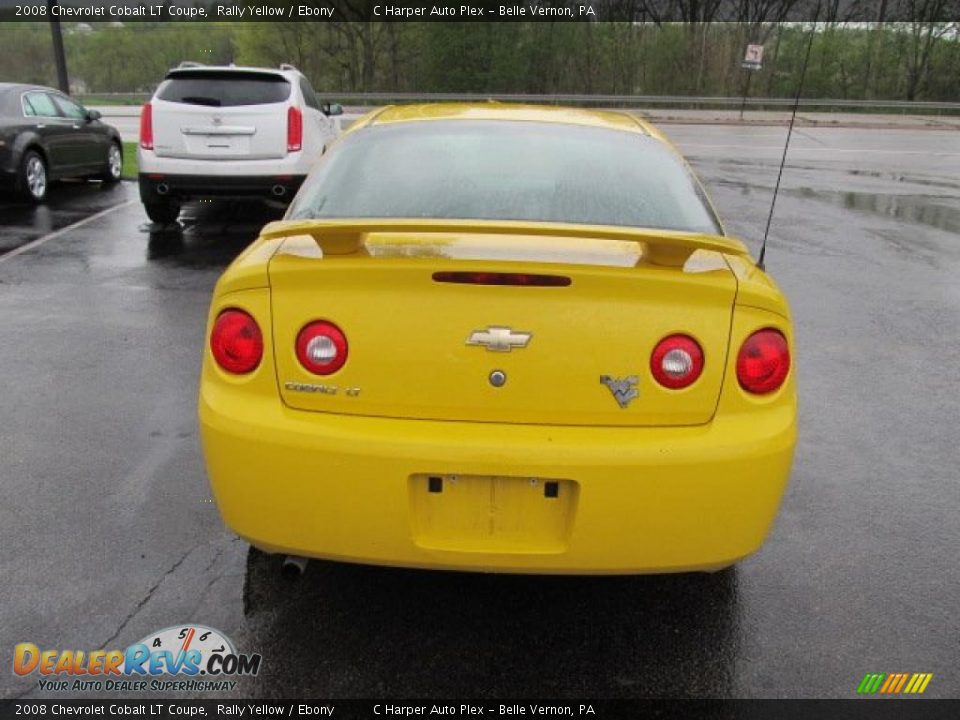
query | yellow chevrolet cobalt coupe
[500, 338]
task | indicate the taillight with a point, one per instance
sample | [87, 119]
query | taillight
[763, 362]
[322, 347]
[677, 361]
[236, 342]
[146, 127]
[294, 129]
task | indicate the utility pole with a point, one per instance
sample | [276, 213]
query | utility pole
[59, 56]
[752, 61]
[746, 91]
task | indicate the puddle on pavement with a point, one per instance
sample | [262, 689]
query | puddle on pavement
[906, 178]
[938, 211]
[901, 178]
[942, 212]
[208, 233]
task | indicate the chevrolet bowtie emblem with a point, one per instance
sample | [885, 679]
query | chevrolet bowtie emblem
[622, 388]
[499, 339]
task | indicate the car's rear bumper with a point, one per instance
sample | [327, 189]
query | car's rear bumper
[9, 165]
[10, 160]
[635, 500]
[156, 187]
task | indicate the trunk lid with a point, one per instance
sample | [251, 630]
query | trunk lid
[256, 132]
[420, 348]
[226, 115]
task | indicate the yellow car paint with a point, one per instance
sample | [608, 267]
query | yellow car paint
[684, 480]
[344, 289]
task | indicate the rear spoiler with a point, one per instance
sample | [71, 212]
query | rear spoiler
[347, 236]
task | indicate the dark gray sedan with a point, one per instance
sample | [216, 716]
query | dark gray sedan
[45, 135]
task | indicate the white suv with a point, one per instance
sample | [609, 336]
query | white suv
[214, 131]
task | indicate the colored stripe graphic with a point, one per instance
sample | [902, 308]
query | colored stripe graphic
[894, 683]
[890, 683]
[870, 683]
[903, 680]
[918, 683]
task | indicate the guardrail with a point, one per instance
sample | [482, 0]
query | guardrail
[640, 100]
[905, 106]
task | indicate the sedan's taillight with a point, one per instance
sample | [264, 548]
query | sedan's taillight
[146, 127]
[763, 362]
[677, 361]
[236, 342]
[322, 347]
[294, 129]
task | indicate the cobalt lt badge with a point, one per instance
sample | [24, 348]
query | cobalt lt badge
[624, 389]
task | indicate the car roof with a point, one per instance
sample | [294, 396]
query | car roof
[283, 72]
[10, 96]
[20, 87]
[608, 119]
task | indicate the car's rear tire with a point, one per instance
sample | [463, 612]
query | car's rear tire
[33, 180]
[164, 212]
[114, 169]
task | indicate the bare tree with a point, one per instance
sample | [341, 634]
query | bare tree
[923, 36]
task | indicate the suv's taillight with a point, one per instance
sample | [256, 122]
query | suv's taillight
[294, 129]
[322, 347]
[236, 342]
[677, 361]
[763, 362]
[146, 127]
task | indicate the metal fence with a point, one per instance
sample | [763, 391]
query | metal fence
[663, 101]
[642, 100]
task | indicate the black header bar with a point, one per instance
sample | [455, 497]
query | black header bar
[158, 709]
[651, 11]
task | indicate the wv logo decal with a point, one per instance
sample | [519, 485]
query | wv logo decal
[624, 389]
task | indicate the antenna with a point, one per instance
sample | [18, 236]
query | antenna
[786, 145]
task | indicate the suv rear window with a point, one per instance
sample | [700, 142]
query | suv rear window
[223, 89]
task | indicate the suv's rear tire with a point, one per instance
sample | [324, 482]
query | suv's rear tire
[164, 212]
[114, 168]
[33, 180]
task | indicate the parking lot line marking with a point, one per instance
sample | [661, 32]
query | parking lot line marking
[57, 233]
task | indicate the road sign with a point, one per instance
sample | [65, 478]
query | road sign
[753, 58]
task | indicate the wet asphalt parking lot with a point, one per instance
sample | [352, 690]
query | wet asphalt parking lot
[108, 532]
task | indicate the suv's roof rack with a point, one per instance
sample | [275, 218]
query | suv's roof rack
[288, 66]
[190, 64]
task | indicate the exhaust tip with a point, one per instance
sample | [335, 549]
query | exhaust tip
[278, 190]
[162, 188]
[293, 567]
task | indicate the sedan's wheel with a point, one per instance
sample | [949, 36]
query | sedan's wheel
[165, 212]
[33, 177]
[114, 164]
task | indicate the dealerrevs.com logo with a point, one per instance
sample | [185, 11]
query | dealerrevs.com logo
[199, 657]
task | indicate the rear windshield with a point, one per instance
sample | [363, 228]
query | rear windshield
[496, 170]
[224, 89]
